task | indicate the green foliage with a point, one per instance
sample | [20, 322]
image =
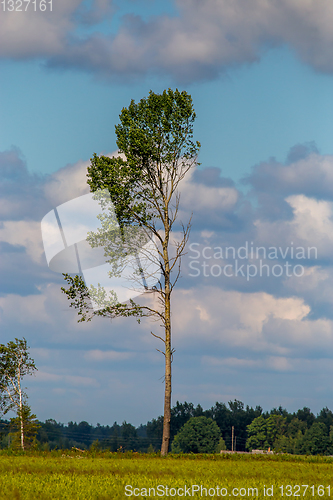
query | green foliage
[181, 413]
[326, 417]
[294, 436]
[257, 432]
[282, 431]
[275, 432]
[95, 446]
[198, 435]
[236, 415]
[221, 446]
[155, 135]
[150, 449]
[306, 415]
[316, 440]
[15, 363]
[80, 297]
[30, 429]
[291, 441]
[275, 426]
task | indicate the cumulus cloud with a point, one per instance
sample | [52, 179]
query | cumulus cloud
[98, 355]
[291, 225]
[31, 34]
[18, 188]
[310, 227]
[200, 42]
[67, 183]
[35, 33]
[276, 363]
[24, 200]
[305, 172]
[240, 320]
[43, 376]
[268, 364]
[204, 192]
[205, 39]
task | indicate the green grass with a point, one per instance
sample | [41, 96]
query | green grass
[65, 475]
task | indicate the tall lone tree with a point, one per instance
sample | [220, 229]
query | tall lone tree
[155, 137]
[15, 363]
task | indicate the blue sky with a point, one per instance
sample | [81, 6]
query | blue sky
[57, 117]
[261, 81]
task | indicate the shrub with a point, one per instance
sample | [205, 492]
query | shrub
[198, 435]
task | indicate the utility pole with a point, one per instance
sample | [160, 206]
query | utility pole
[232, 438]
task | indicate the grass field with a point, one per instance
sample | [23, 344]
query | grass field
[70, 475]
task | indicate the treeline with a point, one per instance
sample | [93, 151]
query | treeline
[53, 435]
[300, 432]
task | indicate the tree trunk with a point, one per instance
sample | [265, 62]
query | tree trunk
[22, 430]
[21, 407]
[167, 324]
[21, 421]
[167, 393]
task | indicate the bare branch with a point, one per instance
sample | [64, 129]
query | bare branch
[153, 334]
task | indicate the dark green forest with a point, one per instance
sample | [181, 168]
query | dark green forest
[300, 432]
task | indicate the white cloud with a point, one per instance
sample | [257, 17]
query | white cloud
[267, 364]
[312, 220]
[67, 183]
[311, 228]
[35, 33]
[216, 316]
[210, 204]
[271, 363]
[25, 233]
[200, 197]
[311, 175]
[200, 42]
[98, 355]
[68, 380]
[27, 310]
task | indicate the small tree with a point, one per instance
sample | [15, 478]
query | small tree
[266, 432]
[257, 434]
[221, 446]
[316, 440]
[198, 435]
[30, 428]
[155, 136]
[15, 363]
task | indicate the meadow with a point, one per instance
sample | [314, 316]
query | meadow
[74, 475]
